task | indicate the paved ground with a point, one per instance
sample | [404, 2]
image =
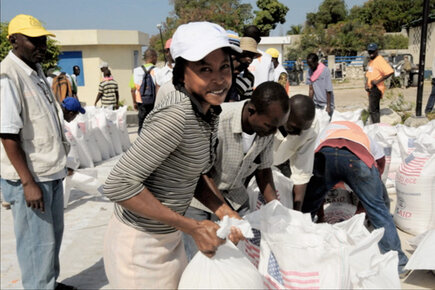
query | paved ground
[86, 218]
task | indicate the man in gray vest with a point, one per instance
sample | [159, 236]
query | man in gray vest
[33, 157]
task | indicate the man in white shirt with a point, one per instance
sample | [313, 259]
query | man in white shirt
[33, 157]
[295, 142]
[164, 75]
[261, 67]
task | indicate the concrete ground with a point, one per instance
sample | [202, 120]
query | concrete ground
[87, 216]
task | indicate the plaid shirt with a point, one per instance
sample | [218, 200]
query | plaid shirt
[232, 166]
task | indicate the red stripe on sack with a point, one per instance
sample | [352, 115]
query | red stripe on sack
[273, 283]
[300, 274]
[309, 281]
[252, 247]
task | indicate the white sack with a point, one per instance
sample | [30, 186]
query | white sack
[424, 256]
[85, 126]
[323, 119]
[353, 116]
[102, 124]
[122, 126]
[84, 180]
[115, 134]
[415, 188]
[81, 147]
[283, 186]
[227, 269]
[297, 253]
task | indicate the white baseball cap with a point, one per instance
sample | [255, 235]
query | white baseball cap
[195, 40]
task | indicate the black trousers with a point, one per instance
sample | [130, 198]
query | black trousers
[143, 111]
[374, 109]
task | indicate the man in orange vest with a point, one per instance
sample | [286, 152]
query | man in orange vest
[343, 153]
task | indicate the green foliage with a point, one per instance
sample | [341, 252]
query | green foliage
[395, 42]
[230, 14]
[349, 37]
[295, 29]
[392, 14]
[272, 12]
[330, 12]
[5, 46]
[51, 57]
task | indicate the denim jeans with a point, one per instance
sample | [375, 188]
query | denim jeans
[431, 100]
[200, 215]
[38, 234]
[339, 164]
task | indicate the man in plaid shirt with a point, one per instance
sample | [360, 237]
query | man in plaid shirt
[245, 148]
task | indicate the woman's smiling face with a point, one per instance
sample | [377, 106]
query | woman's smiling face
[209, 79]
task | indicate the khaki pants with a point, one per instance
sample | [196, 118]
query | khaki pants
[136, 260]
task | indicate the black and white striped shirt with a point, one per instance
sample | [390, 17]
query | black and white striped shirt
[108, 89]
[176, 145]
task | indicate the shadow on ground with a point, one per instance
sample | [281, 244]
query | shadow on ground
[93, 277]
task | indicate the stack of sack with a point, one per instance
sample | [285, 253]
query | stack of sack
[297, 253]
[97, 135]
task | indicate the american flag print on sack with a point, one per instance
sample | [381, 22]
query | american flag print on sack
[413, 165]
[252, 248]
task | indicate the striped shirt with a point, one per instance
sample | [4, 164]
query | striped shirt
[245, 84]
[176, 145]
[232, 166]
[108, 89]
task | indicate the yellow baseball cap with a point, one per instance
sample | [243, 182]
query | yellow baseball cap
[27, 25]
[273, 52]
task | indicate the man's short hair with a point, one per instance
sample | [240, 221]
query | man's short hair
[267, 93]
[149, 54]
[313, 57]
[302, 106]
[252, 31]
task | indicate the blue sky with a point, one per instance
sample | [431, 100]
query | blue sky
[141, 15]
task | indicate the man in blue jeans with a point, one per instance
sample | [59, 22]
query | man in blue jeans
[33, 154]
[343, 154]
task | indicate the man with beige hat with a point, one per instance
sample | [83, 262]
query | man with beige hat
[33, 157]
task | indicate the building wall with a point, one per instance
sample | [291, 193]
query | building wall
[414, 44]
[121, 63]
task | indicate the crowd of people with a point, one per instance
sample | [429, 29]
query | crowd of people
[216, 115]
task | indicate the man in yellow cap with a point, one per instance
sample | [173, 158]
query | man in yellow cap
[280, 74]
[33, 154]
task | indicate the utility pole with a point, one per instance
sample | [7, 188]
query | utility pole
[159, 27]
[421, 62]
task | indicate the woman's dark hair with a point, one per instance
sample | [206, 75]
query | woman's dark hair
[180, 65]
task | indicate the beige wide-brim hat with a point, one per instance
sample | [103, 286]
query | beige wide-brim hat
[249, 44]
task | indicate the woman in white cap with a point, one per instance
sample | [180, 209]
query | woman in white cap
[155, 180]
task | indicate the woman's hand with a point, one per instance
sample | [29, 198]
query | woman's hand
[205, 237]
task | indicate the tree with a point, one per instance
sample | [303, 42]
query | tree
[395, 41]
[295, 29]
[51, 57]
[349, 37]
[271, 13]
[329, 12]
[392, 14]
